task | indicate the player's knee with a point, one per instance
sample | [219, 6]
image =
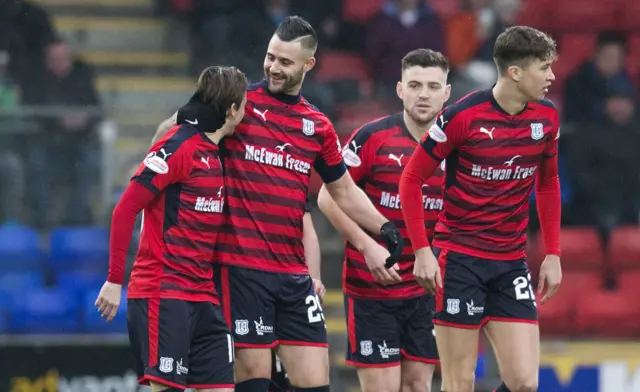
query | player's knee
[461, 382]
[416, 385]
[252, 364]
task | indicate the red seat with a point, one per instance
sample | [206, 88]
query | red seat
[581, 248]
[574, 50]
[445, 8]
[557, 316]
[628, 13]
[341, 65]
[608, 314]
[535, 13]
[624, 248]
[534, 256]
[360, 10]
[629, 282]
[589, 15]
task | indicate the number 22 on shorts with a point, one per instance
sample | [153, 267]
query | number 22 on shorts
[314, 310]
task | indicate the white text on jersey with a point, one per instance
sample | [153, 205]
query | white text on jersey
[390, 200]
[210, 204]
[491, 173]
[277, 159]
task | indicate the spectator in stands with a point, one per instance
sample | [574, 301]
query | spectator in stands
[605, 163]
[586, 89]
[25, 31]
[471, 35]
[11, 166]
[400, 27]
[67, 148]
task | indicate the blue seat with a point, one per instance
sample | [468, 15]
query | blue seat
[80, 281]
[46, 310]
[14, 283]
[94, 323]
[6, 302]
[19, 247]
[80, 247]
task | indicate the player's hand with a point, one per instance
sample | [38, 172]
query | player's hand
[551, 273]
[108, 300]
[376, 256]
[395, 243]
[318, 286]
[427, 271]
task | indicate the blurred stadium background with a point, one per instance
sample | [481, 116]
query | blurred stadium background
[84, 83]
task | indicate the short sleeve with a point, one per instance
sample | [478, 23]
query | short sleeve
[358, 153]
[167, 162]
[329, 164]
[445, 135]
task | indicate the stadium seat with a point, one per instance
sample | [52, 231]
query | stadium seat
[628, 13]
[80, 281]
[15, 282]
[445, 8]
[360, 10]
[581, 249]
[51, 310]
[80, 247]
[603, 313]
[633, 59]
[92, 320]
[590, 16]
[629, 282]
[557, 316]
[341, 65]
[19, 247]
[535, 13]
[624, 248]
[574, 50]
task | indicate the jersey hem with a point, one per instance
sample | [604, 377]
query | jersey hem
[383, 296]
[299, 270]
[452, 247]
[185, 297]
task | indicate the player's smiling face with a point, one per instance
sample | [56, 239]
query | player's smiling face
[285, 65]
[423, 91]
[536, 78]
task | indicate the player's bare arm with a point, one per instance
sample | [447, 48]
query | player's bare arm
[312, 253]
[358, 207]
[375, 255]
[165, 126]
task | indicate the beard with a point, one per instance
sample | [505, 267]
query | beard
[421, 120]
[289, 82]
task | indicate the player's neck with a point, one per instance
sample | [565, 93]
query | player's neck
[417, 131]
[215, 137]
[509, 99]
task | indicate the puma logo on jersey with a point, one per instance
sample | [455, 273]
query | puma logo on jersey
[490, 133]
[205, 161]
[397, 159]
[261, 114]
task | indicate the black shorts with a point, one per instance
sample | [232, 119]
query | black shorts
[381, 332]
[479, 290]
[265, 309]
[180, 344]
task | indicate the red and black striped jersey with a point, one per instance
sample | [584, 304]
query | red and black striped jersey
[268, 163]
[492, 162]
[182, 224]
[375, 155]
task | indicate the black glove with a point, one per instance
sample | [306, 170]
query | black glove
[395, 243]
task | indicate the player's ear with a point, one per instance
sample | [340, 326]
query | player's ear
[232, 111]
[310, 64]
[515, 73]
[447, 92]
[399, 90]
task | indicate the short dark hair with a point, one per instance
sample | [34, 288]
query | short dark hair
[220, 87]
[612, 37]
[519, 45]
[425, 58]
[295, 27]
